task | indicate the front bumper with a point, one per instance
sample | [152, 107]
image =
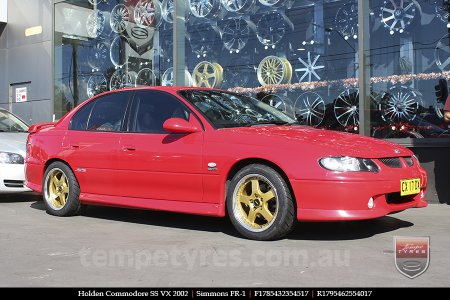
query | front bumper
[334, 200]
[12, 178]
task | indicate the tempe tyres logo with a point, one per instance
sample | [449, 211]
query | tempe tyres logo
[412, 255]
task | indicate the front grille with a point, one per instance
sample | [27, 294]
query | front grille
[395, 198]
[392, 162]
[409, 161]
[13, 183]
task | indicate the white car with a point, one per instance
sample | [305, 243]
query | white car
[13, 138]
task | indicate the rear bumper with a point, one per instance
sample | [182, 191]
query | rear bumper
[12, 178]
[347, 200]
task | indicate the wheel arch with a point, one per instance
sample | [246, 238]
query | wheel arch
[249, 161]
[52, 160]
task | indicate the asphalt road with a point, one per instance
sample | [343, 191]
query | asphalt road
[112, 247]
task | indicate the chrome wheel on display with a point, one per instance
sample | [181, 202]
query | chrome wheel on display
[202, 38]
[280, 103]
[205, 8]
[347, 20]
[238, 6]
[239, 75]
[145, 77]
[97, 56]
[271, 2]
[208, 75]
[346, 107]
[400, 104]
[442, 53]
[147, 13]
[120, 17]
[274, 70]
[235, 34]
[442, 11]
[271, 28]
[168, 9]
[312, 68]
[96, 84]
[116, 54]
[167, 78]
[397, 15]
[95, 24]
[121, 79]
[309, 109]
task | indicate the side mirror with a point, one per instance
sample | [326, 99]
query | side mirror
[178, 125]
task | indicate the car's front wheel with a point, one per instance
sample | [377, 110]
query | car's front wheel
[260, 204]
[61, 190]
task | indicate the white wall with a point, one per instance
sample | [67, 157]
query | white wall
[4, 11]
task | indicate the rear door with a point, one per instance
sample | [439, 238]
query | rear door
[92, 142]
[153, 163]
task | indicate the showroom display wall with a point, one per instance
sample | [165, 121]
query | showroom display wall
[299, 56]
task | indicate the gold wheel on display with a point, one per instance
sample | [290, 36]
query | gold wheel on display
[56, 189]
[255, 202]
[288, 67]
[208, 75]
[274, 70]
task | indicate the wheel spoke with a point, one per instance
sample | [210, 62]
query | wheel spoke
[268, 195]
[244, 199]
[255, 187]
[251, 217]
[267, 215]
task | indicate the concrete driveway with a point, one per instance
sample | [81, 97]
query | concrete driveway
[107, 247]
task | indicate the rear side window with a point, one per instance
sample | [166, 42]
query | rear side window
[104, 114]
[80, 119]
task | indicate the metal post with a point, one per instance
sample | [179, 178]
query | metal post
[179, 42]
[364, 67]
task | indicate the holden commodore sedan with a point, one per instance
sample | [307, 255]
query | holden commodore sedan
[13, 137]
[216, 153]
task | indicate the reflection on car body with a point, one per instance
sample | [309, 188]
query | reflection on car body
[205, 151]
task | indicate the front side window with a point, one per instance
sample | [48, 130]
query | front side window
[104, 114]
[224, 109]
[153, 108]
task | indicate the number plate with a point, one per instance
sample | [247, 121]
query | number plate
[409, 186]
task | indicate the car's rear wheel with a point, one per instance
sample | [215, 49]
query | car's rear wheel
[260, 204]
[61, 190]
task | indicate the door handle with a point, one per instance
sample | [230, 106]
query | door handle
[128, 148]
[74, 146]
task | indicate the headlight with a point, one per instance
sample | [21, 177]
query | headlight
[348, 164]
[11, 158]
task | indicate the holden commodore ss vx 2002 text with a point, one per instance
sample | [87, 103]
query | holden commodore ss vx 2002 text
[211, 152]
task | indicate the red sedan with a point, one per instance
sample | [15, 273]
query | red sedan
[211, 152]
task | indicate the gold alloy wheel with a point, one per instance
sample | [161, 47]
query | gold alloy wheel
[208, 75]
[255, 203]
[56, 189]
[274, 70]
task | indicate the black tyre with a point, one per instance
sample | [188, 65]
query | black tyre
[60, 190]
[260, 204]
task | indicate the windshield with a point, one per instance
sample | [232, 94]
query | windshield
[10, 123]
[225, 109]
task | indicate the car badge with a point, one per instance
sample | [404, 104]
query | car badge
[412, 255]
[397, 151]
[212, 166]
